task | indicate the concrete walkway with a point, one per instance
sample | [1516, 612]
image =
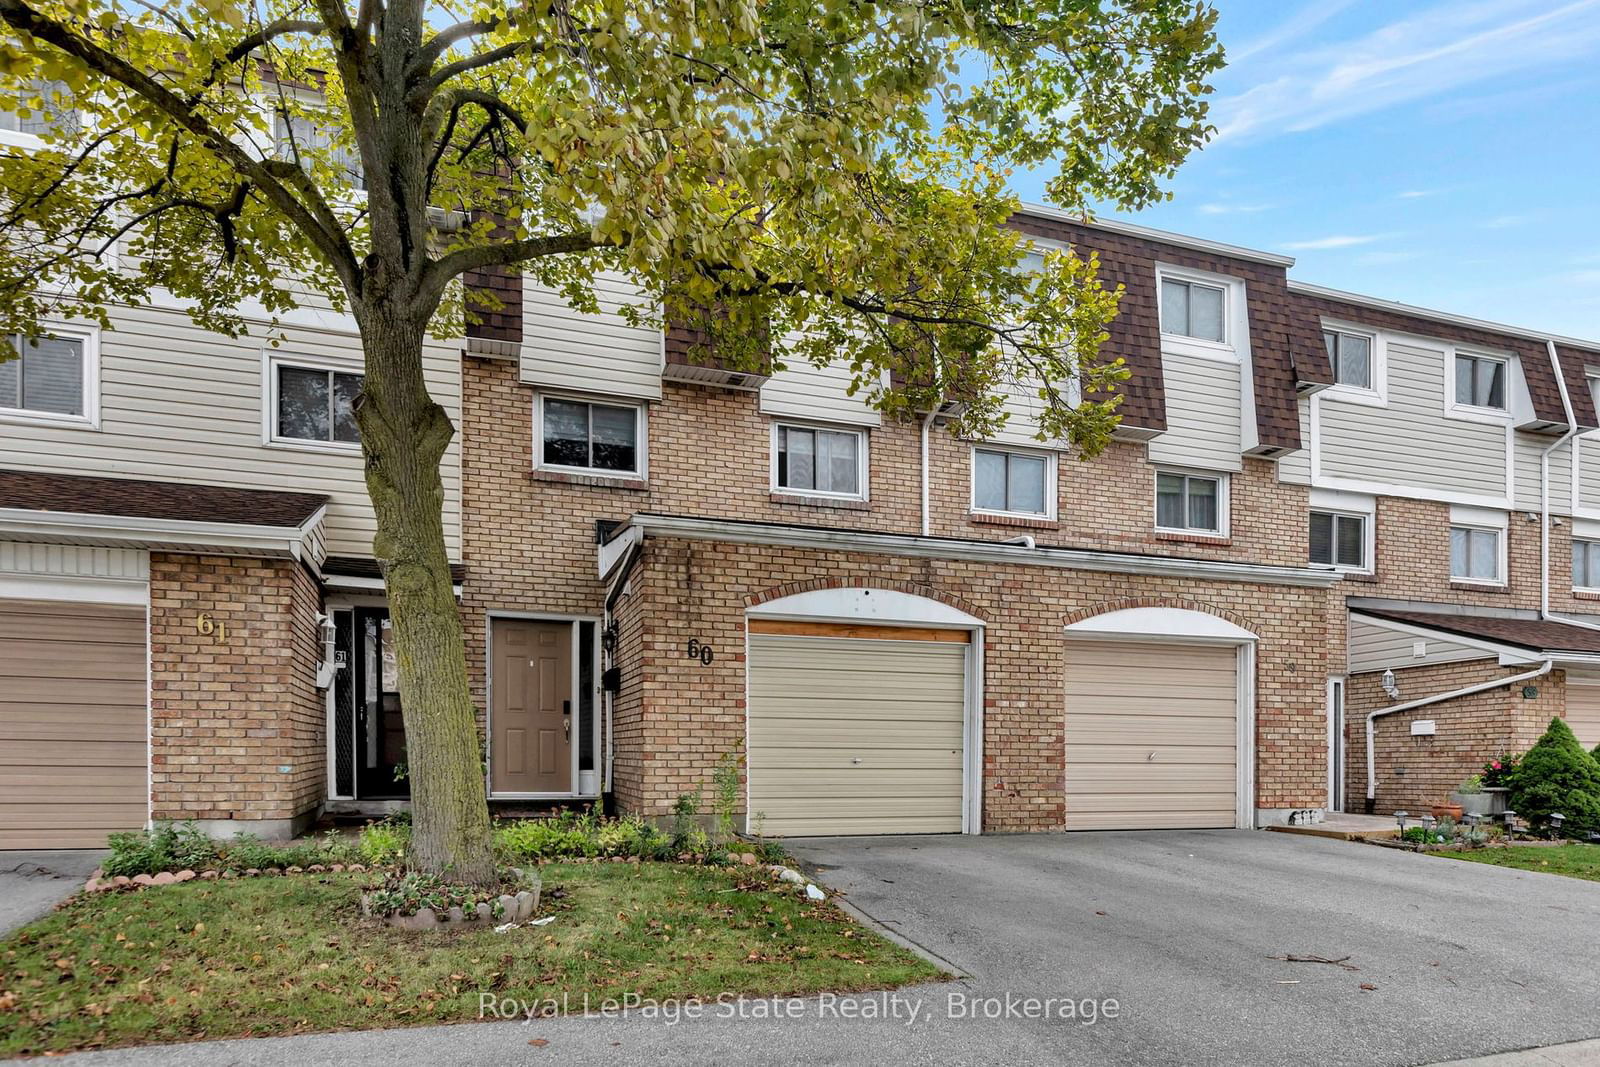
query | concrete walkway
[31, 883]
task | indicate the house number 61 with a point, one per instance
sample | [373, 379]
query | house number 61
[206, 626]
[700, 652]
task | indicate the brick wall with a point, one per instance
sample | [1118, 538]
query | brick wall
[226, 714]
[685, 714]
[1413, 559]
[1414, 773]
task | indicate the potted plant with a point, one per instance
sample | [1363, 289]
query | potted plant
[1471, 798]
[1447, 811]
[1496, 777]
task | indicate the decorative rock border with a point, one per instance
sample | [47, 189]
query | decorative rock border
[514, 908]
[99, 883]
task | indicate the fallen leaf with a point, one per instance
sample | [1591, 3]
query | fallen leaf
[538, 1042]
[1367, 987]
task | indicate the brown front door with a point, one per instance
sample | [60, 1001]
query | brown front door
[532, 707]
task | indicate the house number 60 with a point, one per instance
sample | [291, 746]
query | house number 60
[700, 652]
[206, 626]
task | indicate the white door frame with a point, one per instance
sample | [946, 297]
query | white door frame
[888, 607]
[1337, 697]
[1188, 627]
[577, 703]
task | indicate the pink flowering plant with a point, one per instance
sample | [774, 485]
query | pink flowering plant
[1497, 772]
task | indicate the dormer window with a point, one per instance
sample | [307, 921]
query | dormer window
[1351, 356]
[1194, 309]
[1480, 382]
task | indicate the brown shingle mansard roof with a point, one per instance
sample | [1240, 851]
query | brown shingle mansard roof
[1537, 635]
[92, 495]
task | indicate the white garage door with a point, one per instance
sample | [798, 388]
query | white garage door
[855, 729]
[1583, 712]
[1151, 735]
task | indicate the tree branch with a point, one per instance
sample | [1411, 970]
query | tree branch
[445, 39]
[442, 271]
[463, 66]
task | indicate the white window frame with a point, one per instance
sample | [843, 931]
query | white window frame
[1576, 587]
[1365, 566]
[862, 445]
[1224, 487]
[1234, 328]
[89, 337]
[1481, 520]
[641, 431]
[1376, 395]
[32, 142]
[268, 101]
[1454, 408]
[1050, 492]
[270, 364]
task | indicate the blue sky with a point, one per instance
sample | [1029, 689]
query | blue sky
[1444, 154]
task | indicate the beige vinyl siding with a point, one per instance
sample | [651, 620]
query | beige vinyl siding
[1410, 442]
[1295, 468]
[1151, 735]
[73, 722]
[1583, 711]
[1374, 647]
[600, 353]
[1589, 472]
[855, 736]
[1527, 448]
[24, 559]
[1022, 406]
[180, 404]
[818, 394]
[1202, 414]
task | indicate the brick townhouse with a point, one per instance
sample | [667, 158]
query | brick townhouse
[665, 564]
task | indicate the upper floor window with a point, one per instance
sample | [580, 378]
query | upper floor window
[294, 133]
[315, 404]
[1475, 553]
[1194, 309]
[600, 438]
[1011, 483]
[1191, 503]
[1339, 540]
[42, 107]
[807, 459]
[48, 377]
[1480, 382]
[1351, 356]
[1586, 564]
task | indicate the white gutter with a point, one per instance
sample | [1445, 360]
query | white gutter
[1179, 240]
[927, 422]
[1544, 497]
[129, 531]
[1433, 315]
[730, 531]
[1481, 687]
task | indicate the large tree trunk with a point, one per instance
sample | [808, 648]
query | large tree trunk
[404, 435]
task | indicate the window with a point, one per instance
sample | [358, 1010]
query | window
[810, 460]
[1339, 540]
[298, 132]
[1189, 502]
[41, 107]
[315, 404]
[1481, 382]
[1351, 356]
[46, 376]
[591, 437]
[1013, 483]
[1193, 309]
[1586, 564]
[1474, 554]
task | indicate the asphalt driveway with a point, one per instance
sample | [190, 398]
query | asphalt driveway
[31, 883]
[1451, 959]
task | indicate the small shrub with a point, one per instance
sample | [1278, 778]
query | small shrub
[1557, 775]
[771, 852]
[139, 852]
[725, 783]
[1471, 785]
[684, 813]
[408, 893]
[1497, 771]
[384, 842]
[1423, 835]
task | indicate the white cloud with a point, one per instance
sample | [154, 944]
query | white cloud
[1438, 50]
[1505, 222]
[1415, 194]
[1219, 208]
[1341, 240]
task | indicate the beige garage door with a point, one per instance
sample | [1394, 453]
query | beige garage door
[72, 723]
[1583, 713]
[1151, 735]
[855, 729]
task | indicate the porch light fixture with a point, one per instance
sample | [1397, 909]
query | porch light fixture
[1389, 686]
[1556, 819]
[329, 665]
[1511, 821]
[1400, 818]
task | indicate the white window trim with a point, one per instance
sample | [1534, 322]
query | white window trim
[1224, 492]
[1234, 327]
[267, 100]
[862, 446]
[270, 362]
[1475, 412]
[1378, 394]
[641, 433]
[32, 142]
[1365, 566]
[1356, 505]
[1050, 491]
[1576, 588]
[1495, 522]
[89, 337]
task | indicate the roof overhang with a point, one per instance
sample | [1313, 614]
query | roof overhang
[948, 548]
[164, 535]
[1508, 653]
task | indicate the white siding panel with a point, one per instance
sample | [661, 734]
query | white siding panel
[180, 404]
[601, 353]
[1528, 447]
[1589, 472]
[1295, 468]
[1410, 442]
[820, 394]
[1379, 648]
[73, 561]
[1202, 414]
[1023, 408]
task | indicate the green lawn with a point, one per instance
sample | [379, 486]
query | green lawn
[290, 955]
[1572, 860]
